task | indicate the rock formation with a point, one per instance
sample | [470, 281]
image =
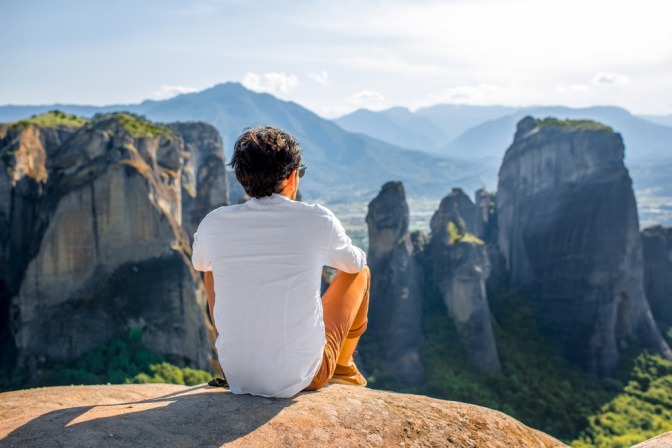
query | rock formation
[92, 238]
[460, 267]
[169, 415]
[569, 233]
[395, 313]
[204, 176]
[487, 230]
[657, 243]
[23, 174]
[485, 224]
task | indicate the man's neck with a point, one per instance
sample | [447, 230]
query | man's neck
[288, 193]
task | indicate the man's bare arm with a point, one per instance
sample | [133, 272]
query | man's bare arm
[209, 281]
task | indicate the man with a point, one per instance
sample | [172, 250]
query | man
[276, 335]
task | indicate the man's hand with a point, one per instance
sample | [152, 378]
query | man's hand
[209, 281]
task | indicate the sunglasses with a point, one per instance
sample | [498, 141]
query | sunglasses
[302, 170]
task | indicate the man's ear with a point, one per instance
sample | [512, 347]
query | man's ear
[290, 182]
[293, 176]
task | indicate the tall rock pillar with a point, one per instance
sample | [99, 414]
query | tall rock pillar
[658, 272]
[460, 268]
[569, 232]
[395, 313]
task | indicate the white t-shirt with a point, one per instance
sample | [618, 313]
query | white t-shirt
[266, 256]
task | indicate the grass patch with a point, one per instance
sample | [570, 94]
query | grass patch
[51, 119]
[140, 127]
[584, 125]
[455, 236]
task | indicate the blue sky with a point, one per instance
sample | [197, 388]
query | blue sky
[336, 56]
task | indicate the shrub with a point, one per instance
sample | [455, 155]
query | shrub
[121, 361]
[168, 373]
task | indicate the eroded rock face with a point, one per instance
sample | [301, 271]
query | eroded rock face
[395, 313]
[486, 231]
[100, 244]
[23, 210]
[657, 242]
[204, 176]
[460, 268]
[569, 233]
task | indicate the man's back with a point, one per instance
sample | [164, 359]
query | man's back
[266, 256]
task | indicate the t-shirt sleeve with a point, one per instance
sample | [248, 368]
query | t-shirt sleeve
[198, 258]
[341, 253]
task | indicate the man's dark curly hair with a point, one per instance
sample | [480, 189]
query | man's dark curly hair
[262, 158]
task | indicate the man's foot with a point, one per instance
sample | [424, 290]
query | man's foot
[348, 375]
[218, 382]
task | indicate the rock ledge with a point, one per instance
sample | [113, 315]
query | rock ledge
[169, 415]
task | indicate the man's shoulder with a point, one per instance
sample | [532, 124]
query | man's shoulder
[220, 212]
[317, 210]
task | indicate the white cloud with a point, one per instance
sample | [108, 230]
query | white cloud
[473, 94]
[166, 92]
[320, 78]
[613, 79]
[367, 98]
[271, 82]
[573, 88]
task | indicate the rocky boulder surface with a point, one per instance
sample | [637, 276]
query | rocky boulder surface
[661, 441]
[569, 234]
[657, 242]
[93, 243]
[460, 267]
[179, 416]
[395, 310]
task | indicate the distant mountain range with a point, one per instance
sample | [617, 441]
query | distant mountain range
[428, 129]
[431, 150]
[665, 120]
[483, 133]
[486, 131]
[644, 140]
[342, 166]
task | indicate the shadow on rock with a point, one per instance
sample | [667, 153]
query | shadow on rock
[197, 416]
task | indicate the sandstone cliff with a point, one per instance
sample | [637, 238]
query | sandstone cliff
[167, 415]
[657, 242]
[568, 231]
[93, 240]
[395, 313]
[460, 267]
